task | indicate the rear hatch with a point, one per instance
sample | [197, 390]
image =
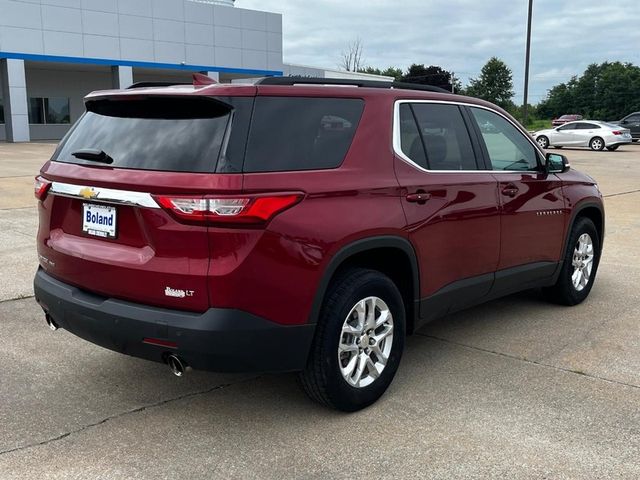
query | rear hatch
[103, 227]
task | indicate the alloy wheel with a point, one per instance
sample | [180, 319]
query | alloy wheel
[582, 262]
[365, 343]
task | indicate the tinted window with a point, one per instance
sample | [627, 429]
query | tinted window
[507, 147]
[410, 141]
[587, 126]
[568, 126]
[633, 118]
[301, 133]
[174, 134]
[54, 110]
[445, 137]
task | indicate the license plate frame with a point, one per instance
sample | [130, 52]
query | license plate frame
[99, 220]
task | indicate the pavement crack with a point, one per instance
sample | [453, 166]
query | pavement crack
[123, 414]
[621, 193]
[19, 297]
[532, 362]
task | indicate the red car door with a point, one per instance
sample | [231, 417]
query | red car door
[531, 202]
[451, 206]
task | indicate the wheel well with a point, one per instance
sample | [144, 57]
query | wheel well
[595, 215]
[395, 264]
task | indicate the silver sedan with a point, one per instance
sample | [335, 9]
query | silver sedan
[585, 133]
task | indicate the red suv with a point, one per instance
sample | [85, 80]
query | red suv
[300, 225]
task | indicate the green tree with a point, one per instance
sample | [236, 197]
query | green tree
[495, 84]
[432, 75]
[603, 92]
[394, 72]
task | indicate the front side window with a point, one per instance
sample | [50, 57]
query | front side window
[507, 147]
[568, 126]
[301, 133]
[441, 134]
[50, 110]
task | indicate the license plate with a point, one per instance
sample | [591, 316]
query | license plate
[99, 220]
[627, 135]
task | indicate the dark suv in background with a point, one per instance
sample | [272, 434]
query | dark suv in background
[300, 225]
[632, 122]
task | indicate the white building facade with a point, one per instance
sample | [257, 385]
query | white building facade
[53, 52]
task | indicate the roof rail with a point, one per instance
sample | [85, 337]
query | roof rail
[154, 84]
[347, 81]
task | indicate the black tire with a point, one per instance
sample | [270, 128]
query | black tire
[322, 379]
[543, 142]
[564, 292]
[613, 149]
[596, 144]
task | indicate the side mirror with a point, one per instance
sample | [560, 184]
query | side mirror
[556, 163]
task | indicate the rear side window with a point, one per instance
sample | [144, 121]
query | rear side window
[410, 140]
[300, 133]
[445, 137]
[152, 133]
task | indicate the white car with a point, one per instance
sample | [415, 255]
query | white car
[584, 133]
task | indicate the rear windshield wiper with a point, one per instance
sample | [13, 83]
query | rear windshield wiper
[93, 155]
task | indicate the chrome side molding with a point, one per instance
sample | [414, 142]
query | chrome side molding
[103, 195]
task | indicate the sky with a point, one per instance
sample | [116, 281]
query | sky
[461, 35]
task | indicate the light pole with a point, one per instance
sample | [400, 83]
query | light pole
[526, 66]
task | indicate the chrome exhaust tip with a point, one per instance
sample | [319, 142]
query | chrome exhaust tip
[177, 365]
[52, 325]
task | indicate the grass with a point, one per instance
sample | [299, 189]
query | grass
[538, 124]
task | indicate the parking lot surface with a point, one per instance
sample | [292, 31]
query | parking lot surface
[515, 388]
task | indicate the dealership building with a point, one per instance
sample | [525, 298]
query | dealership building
[54, 52]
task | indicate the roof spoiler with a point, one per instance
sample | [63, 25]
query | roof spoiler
[199, 80]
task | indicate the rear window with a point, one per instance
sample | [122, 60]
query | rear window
[155, 133]
[301, 133]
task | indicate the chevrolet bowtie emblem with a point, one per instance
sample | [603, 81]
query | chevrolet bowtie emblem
[88, 192]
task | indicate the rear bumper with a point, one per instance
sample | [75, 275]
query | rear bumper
[221, 340]
[617, 143]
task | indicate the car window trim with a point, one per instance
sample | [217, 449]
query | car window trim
[398, 150]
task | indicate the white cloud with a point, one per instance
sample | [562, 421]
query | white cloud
[461, 35]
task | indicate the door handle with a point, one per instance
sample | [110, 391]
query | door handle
[419, 197]
[510, 190]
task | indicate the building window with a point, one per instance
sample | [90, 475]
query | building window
[49, 110]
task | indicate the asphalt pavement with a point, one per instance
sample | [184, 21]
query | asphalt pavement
[515, 388]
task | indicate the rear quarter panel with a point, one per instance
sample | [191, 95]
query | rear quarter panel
[283, 264]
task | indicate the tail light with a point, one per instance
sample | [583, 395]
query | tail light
[246, 210]
[617, 132]
[41, 187]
